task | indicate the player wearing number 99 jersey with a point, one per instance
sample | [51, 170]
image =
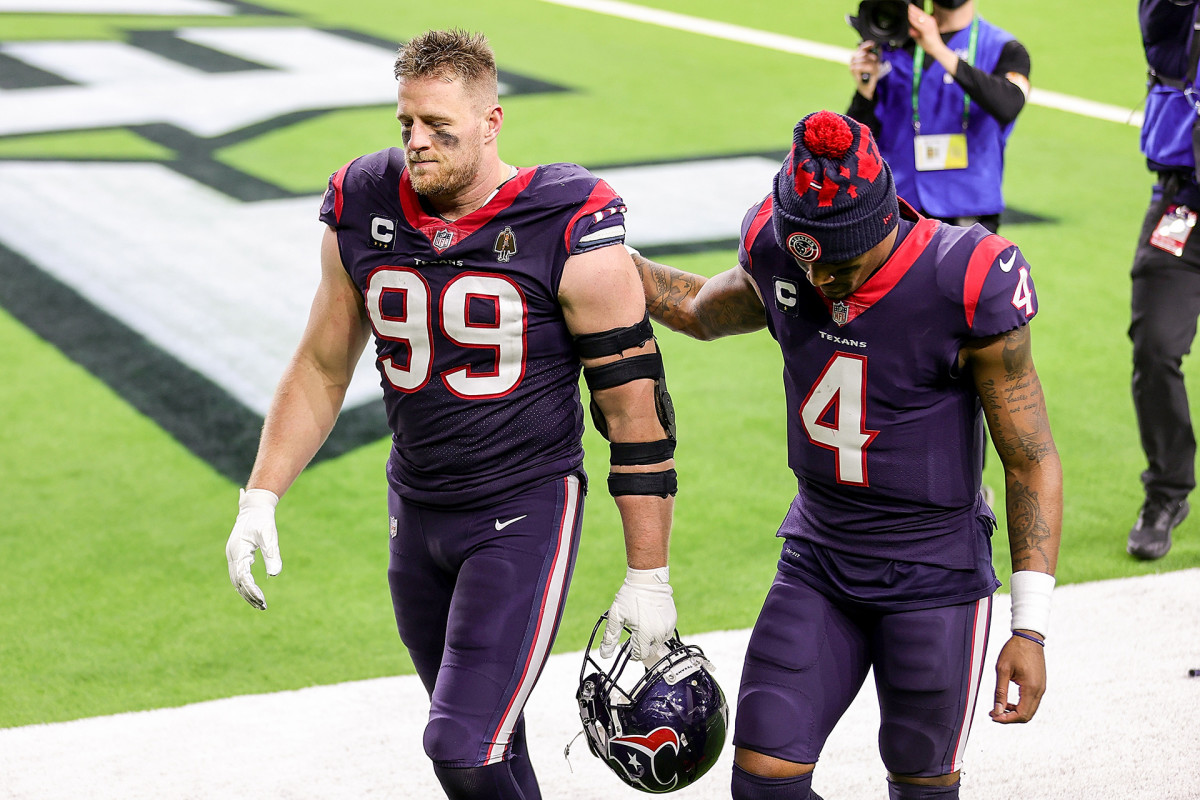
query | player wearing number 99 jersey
[479, 371]
[486, 289]
[901, 337]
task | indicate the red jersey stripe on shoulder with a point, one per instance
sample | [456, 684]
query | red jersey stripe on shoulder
[898, 263]
[338, 179]
[977, 271]
[756, 225]
[601, 195]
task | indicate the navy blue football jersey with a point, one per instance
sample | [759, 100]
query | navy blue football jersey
[479, 372]
[885, 432]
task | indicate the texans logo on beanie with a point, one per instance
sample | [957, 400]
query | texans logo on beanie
[834, 199]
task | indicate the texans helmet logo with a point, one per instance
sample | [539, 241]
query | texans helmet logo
[645, 758]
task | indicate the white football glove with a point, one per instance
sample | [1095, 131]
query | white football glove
[254, 529]
[645, 606]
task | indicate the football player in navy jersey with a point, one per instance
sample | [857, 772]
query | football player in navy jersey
[902, 337]
[486, 288]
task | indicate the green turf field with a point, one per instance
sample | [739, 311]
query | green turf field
[115, 595]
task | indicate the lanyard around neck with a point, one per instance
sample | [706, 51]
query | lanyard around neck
[919, 69]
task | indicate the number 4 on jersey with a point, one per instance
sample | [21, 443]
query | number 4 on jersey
[835, 415]
[1023, 295]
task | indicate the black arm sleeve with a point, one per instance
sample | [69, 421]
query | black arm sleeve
[994, 93]
[862, 111]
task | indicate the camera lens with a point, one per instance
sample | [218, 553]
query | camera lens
[884, 18]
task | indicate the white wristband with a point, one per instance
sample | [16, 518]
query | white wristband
[1031, 601]
[632, 251]
[659, 575]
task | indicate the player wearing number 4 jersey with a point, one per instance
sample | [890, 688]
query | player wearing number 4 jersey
[897, 331]
[486, 287]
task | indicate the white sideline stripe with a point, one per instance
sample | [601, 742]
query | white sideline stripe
[818, 50]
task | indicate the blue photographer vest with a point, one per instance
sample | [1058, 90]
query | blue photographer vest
[1166, 138]
[973, 191]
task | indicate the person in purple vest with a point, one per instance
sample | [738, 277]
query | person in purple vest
[486, 287]
[1165, 299]
[902, 339]
[942, 107]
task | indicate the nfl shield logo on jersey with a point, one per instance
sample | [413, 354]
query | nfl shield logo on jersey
[841, 313]
[443, 239]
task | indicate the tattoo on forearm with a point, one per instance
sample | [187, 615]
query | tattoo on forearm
[1029, 534]
[1016, 407]
[667, 289]
[673, 298]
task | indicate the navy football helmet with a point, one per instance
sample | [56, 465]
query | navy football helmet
[666, 731]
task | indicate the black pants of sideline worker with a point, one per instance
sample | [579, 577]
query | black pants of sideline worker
[1165, 306]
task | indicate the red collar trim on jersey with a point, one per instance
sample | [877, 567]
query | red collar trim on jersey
[895, 268]
[444, 235]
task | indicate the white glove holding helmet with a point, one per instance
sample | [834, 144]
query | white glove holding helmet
[254, 529]
[644, 604]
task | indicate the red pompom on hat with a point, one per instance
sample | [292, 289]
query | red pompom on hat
[828, 135]
[834, 199]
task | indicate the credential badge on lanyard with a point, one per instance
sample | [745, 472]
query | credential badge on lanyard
[1172, 231]
[944, 150]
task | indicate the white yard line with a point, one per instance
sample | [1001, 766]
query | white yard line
[824, 52]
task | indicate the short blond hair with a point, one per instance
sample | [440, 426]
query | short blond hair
[448, 55]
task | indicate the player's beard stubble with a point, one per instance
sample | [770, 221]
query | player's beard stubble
[457, 164]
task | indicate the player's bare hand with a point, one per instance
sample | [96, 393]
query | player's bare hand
[1024, 663]
[254, 529]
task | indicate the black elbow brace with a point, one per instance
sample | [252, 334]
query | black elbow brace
[615, 373]
[626, 454]
[649, 366]
[659, 484]
[616, 341]
[655, 484]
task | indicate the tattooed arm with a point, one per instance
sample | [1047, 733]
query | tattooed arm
[1015, 410]
[703, 308]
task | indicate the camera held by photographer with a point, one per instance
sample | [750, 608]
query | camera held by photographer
[941, 90]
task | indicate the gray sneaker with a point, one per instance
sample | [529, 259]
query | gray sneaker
[1150, 537]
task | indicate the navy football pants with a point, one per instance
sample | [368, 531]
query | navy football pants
[478, 596]
[808, 657]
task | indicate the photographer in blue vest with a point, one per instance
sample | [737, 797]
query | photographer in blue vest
[1166, 273]
[941, 102]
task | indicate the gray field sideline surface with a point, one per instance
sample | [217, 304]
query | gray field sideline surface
[1121, 718]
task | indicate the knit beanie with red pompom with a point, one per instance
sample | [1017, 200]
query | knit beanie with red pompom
[834, 198]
